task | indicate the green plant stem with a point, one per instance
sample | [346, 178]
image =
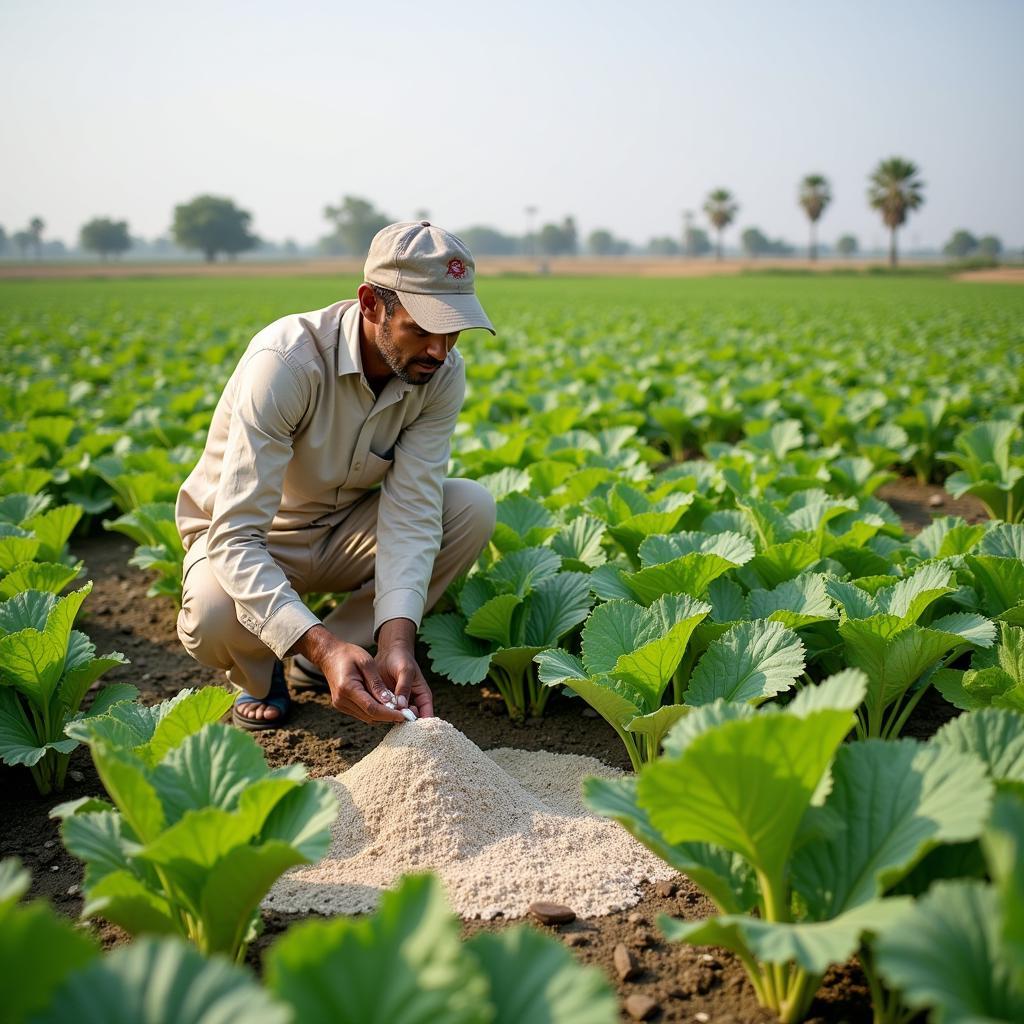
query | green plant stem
[799, 995]
[630, 744]
[681, 676]
[539, 694]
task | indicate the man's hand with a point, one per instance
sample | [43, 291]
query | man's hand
[352, 675]
[396, 663]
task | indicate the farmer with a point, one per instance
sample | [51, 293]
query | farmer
[322, 408]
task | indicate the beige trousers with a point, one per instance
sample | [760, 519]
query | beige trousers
[335, 559]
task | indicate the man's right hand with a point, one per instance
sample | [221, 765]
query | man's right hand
[356, 686]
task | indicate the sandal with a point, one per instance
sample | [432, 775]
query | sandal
[311, 678]
[277, 697]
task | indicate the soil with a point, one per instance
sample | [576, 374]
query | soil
[684, 980]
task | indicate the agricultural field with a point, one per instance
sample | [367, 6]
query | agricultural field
[758, 552]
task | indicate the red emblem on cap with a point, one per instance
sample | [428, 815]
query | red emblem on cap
[456, 269]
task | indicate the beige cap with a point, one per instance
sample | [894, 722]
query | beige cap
[432, 271]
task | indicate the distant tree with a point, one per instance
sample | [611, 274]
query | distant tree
[36, 226]
[990, 247]
[664, 245]
[894, 189]
[600, 242]
[212, 225]
[22, 242]
[815, 195]
[487, 241]
[847, 245]
[105, 236]
[355, 222]
[961, 245]
[3, 241]
[720, 208]
[558, 239]
[754, 242]
[696, 242]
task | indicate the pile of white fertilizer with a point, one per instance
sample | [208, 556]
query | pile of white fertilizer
[501, 829]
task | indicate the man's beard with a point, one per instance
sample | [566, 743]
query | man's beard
[391, 355]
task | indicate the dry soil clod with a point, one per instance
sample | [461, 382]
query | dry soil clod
[666, 889]
[552, 913]
[625, 963]
[640, 1007]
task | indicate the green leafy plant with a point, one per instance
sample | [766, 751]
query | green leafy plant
[46, 669]
[990, 468]
[630, 653]
[795, 837]
[508, 613]
[329, 971]
[995, 678]
[959, 951]
[37, 948]
[159, 550]
[882, 635]
[199, 828]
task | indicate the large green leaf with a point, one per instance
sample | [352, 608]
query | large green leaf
[727, 788]
[555, 606]
[162, 981]
[814, 945]
[520, 571]
[751, 662]
[302, 818]
[993, 735]
[522, 522]
[123, 898]
[126, 781]
[52, 529]
[49, 577]
[533, 977]
[579, 543]
[185, 718]
[780, 562]
[233, 887]
[998, 581]
[947, 954]
[724, 876]
[453, 653]
[909, 598]
[641, 645]
[795, 603]
[210, 768]
[898, 800]
[745, 784]
[38, 949]
[493, 620]
[98, 839]
[330, 971]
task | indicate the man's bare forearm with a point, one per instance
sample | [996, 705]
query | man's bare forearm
[397, 633]
[314, 644]
[318, 640]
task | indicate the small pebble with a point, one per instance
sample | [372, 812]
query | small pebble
[75, 776]
[551, 913]
[702, 1017]
[49, 844]
[936, 500]
[55, 867]
[73, 890]
[640, 1007]
[625, 963]
[666, 888]
[636, 918]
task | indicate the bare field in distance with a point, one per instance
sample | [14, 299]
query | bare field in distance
[583, 266]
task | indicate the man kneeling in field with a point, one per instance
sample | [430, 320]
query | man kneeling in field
[322, 408]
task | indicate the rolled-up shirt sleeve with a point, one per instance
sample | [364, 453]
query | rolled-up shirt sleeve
[269, 401]
[409, 514]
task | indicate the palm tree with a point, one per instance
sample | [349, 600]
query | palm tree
[815, 194]
[895, 189]
[721, 208]
[35, 228]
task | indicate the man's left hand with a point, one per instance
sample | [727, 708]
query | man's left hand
[397, 666]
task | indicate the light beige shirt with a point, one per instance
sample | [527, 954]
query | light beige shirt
[297, 437]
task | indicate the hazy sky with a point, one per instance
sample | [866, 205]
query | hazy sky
[622, 114]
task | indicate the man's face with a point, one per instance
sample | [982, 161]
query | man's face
[412, 354]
